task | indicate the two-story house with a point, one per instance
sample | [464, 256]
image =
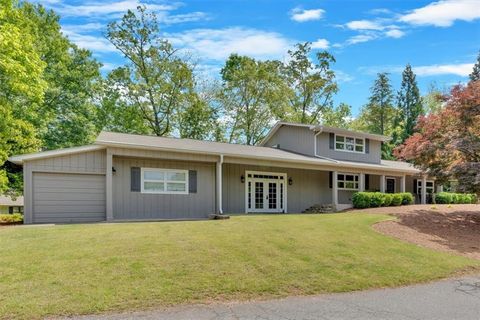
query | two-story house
[132, 177]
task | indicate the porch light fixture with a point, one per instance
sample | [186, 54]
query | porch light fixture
[290, 181]
[114, 170]
[242, 178]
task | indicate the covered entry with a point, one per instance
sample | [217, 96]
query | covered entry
[265, 191]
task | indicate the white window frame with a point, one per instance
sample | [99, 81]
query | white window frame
[355, 182]
[345, 144]
[165, 182]
[419, 186]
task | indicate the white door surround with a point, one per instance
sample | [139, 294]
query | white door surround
[265, 192]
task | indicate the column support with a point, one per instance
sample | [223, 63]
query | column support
[361, 182]
[402, 183]
[109, 186]
[382, 183]
[334, 190]
[219, 185]
[439, 188]
[424, 190]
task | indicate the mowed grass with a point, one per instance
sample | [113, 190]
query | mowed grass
[80, 269]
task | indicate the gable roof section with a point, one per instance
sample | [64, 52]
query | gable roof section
[322, 128]
[53, 153]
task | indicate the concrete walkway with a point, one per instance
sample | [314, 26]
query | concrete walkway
[449, 299]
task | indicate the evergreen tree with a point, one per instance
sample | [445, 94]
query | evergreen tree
[409, 106]
[475, 75]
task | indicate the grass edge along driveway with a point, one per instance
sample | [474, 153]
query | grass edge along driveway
[83, 269]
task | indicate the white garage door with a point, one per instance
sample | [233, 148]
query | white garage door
[64, 198]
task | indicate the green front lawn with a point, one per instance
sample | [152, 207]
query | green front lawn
[78, 269]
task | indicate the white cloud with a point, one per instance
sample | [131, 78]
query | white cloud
[320, 44]
[360, 38]
[166, 18]
[394, 33]
[301, 15]
[90, 42]
[444, 13]
[218, 44]
[380, 11]
[109, 8]
[107, 66]
[462, 69]
[343, 77]
[364, 25]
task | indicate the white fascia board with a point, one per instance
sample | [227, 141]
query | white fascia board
[20, 159]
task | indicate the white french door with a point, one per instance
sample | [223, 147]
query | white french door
[265, 192]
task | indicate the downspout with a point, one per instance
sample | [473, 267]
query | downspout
[219, 185]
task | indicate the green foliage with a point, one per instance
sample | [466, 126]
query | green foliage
[397, 199]
[377, 199]
[252, 94]
[475, 75]
[409, 106]
[407, 198]
[11, 218]
[339, 117]
[312, 84]
[455, 198]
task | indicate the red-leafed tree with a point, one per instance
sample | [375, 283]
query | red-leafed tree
[447, 143]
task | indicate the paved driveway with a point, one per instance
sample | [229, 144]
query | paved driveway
[449, 299]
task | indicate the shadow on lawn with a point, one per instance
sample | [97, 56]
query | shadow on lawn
[458, 230]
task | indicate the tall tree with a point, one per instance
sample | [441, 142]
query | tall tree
[377, 116]
[312, 82]
[475, 75]
[447, 144]
[21, 85]
[252, 95]
[409, 106]
[156, 81]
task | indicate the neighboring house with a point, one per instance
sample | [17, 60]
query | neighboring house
[134, 177]
[9, 205]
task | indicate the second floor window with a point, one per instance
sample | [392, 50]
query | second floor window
[350, 144]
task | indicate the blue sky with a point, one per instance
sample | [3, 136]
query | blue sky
[440, 39]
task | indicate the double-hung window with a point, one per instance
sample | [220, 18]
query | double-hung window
[429, 186]
[167, 181]
[347, 181]
[350, 144]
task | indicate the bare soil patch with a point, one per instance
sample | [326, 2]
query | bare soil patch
[452, 228]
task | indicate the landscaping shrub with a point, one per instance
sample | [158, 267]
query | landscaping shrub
[397, 199]
[11, 218]
[363, 200]
[376, 199]
[455, 198]
[387, 199]
[407, 198]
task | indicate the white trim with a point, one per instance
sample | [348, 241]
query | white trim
[345, 143]
[218, 184]
[344, 181]
[252, 180]
[165, 182]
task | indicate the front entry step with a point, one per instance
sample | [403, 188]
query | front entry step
[320, 208]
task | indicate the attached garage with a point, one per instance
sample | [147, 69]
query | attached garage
[67, 198]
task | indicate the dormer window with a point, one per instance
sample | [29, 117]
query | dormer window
[349, 144]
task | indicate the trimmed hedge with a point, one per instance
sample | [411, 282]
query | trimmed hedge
[455, 198]
[377, 199]
[11, 218]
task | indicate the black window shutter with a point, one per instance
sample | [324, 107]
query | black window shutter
[367, 145]
[367, 182]
[414, 186]
[135, 179]
[192, 181]
[330, 179]
[10, 210]
[332, 140]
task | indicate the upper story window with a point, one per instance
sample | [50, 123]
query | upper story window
[168, 181]
[349, 144]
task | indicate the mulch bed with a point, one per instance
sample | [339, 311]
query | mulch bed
[451, 228]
